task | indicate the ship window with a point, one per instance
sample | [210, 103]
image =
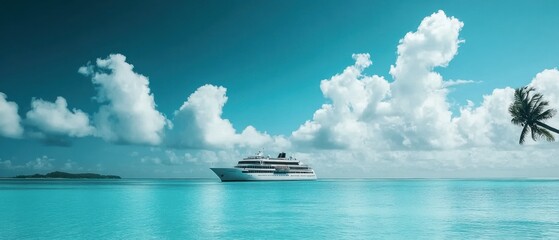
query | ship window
[249, 162]
[282, 163]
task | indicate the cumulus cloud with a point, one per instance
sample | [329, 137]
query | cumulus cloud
[418, 96]
[409, 112]
[197, 157]
[354, 97]
[198, 121]
[6, 164]
[169, 158]
[71, 165]
[489, 123]
[54, 118]
[547, 83]
[10, 122]
[40, 163]
[127, 113]
[198, 124]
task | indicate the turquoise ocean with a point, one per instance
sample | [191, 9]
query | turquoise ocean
[323, 209]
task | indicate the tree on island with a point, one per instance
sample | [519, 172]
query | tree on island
[529, 111]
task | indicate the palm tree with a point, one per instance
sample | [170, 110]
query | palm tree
[530, 112]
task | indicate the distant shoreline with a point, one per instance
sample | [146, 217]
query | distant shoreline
[65, 175]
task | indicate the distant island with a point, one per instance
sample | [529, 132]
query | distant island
[58, 174]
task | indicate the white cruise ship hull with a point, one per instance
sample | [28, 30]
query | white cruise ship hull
[236, 174]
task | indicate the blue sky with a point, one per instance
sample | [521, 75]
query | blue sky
[271, 57]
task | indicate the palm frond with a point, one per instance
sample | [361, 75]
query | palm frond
[543, 133]
[539, 106]
[548, 136]
[534, 132]
[523, 134]
[517, 121]
[547, 114]
[534, 101]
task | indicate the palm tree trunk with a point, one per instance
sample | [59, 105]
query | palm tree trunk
[547, 127]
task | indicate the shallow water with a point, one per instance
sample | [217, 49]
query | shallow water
[324, 209]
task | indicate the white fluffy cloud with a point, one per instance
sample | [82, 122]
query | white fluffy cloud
[547, 83]
[198, 124]
[197, 157]
[10, 125]
[198, 121]
[354, 97]
[56, 119]
[127, 113]
[5, 164]
[488, 124]
[40, 163]
[71, 165]
[418, 96]
[410, 112]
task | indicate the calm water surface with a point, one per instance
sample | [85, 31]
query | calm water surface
[324, 209]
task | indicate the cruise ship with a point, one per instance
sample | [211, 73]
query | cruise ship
[261, 168]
